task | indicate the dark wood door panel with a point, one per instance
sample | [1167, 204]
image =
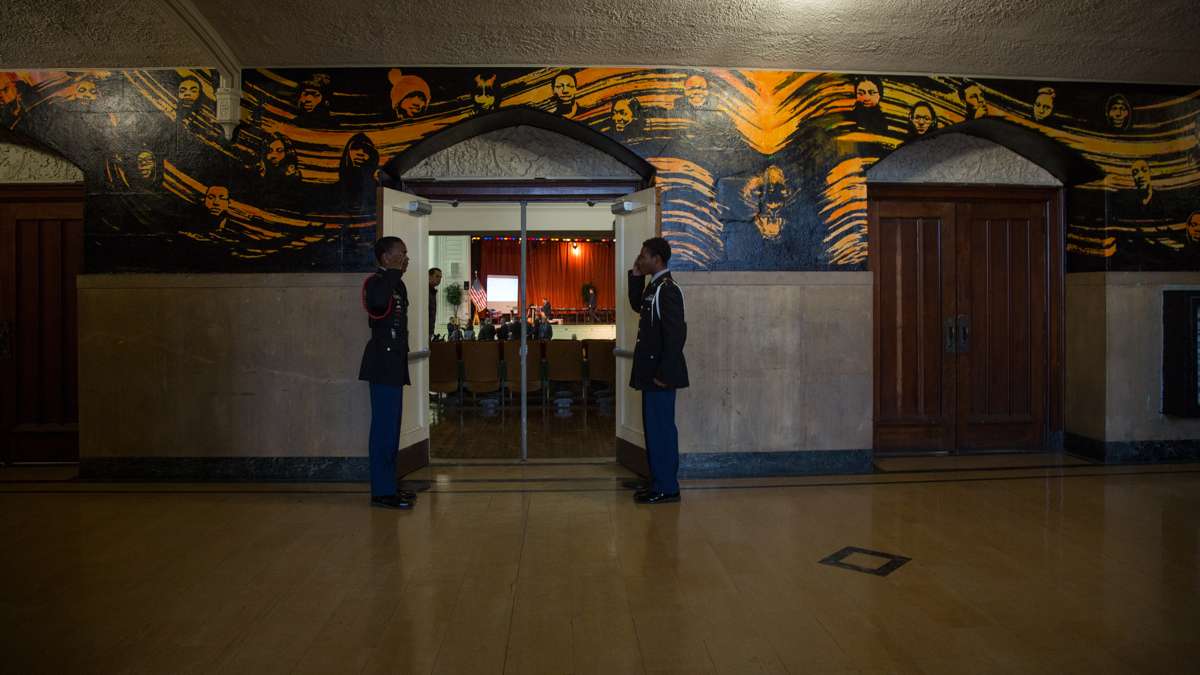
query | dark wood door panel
[914, 384]
[1002, 293]
[41, 252]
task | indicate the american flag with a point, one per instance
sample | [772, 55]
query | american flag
[478, 295]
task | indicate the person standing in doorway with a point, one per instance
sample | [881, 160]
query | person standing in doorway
[435, 278]
[385, 367]
[659, 367]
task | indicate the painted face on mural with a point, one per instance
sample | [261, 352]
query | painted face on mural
[565, 89]
[145, 163]
[1118, 112]
[622, 114]
[866, 94]
[767, 194]
[413, 104]
[921, 118]
[484, 97]
[1193, 227]
[8, 91]
[216, 200]
[1141, 175]
[189, 91]
[695, 90]
[1043, 105]
[309, 100]
[275, 153]
[84, 91]
[358, 156]
[974, 100]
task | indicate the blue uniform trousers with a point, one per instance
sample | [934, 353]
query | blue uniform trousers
[662, 440]
[387, 405]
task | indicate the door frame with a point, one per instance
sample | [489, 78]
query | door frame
[520, 194]
[1055, 276]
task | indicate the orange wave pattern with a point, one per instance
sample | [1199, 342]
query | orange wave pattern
[767, 111]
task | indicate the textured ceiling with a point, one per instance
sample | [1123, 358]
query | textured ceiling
[93, 34]
[1070, 39]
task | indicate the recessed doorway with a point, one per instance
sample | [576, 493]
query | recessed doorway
[568, 401]
[967, 317]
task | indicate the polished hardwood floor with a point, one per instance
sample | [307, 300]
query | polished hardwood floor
[532, 568]
[470, 431]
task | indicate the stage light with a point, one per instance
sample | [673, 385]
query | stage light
[575, 249]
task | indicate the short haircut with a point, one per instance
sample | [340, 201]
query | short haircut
[434, 269]
[962, 89]
[383, 245]
[878, 82]
[659, 247]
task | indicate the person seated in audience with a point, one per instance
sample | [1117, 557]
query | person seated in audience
[453, 332]
[468, 331]
[487, 331]
[502, 333]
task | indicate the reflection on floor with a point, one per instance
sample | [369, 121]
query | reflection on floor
[1071, 569]
[966, 462]
[490, 428]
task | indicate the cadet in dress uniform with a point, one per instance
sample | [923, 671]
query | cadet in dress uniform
[385, 367]
[659, 368]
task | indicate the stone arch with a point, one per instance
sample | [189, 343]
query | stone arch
[25, 161]
[411, 157]
[990, 151]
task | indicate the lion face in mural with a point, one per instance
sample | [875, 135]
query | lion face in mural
[767, 194]
[84, 91]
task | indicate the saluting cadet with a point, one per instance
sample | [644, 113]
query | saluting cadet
[659, 368]
[385, 367]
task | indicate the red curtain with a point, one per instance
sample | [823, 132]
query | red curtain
[556, 271]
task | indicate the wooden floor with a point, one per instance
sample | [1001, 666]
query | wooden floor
[469, 432]
[552, 569]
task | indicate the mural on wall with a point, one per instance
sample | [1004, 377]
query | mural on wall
[760, 170]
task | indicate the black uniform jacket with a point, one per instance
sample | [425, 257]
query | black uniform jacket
[662, 333]
[385, 359]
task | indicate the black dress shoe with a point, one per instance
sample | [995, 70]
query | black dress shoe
[391, 502]
[406, 495]
[657, 498]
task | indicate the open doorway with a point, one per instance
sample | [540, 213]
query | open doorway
[568, 271]
[564, 396]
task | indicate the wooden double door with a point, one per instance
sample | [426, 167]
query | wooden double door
[967, 286]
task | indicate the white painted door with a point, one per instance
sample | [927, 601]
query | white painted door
[636, 220]
[407, 217]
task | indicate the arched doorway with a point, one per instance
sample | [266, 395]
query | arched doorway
[593, 198]
[966, 250]
[41, 252]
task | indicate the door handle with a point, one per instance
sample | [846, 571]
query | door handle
[964, 334]
[951, 339]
